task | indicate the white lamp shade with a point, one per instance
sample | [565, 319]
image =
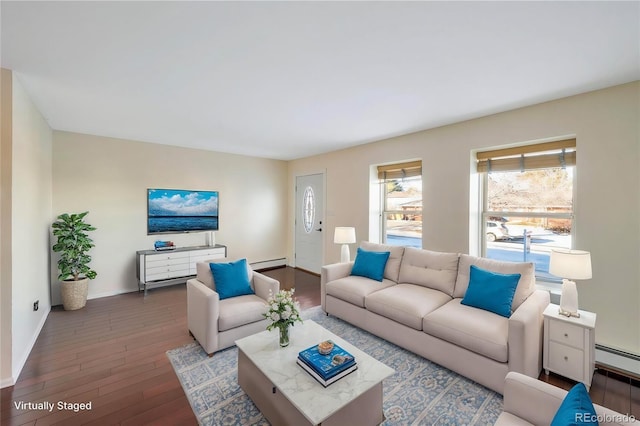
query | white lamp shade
[344, 235]
[571, 264]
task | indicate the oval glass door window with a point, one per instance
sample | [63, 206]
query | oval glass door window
[308, 209]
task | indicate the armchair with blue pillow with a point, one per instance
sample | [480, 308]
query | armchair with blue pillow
[226, 301]
[529, 401]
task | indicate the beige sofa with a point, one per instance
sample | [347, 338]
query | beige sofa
[528, 401]
[417, 306]
[216, 324]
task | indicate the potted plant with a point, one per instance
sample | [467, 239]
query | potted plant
[73, 243]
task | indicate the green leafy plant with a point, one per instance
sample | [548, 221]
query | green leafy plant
[73, 243]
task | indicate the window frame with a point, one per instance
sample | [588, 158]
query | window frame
[396, 172]
[485, 214]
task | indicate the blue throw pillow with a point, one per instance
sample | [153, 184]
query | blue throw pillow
[576, 409]
[231, 279]
[370, 264]
[491, 291]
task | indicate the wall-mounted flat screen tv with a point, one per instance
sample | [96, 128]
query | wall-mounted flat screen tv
[181, 210]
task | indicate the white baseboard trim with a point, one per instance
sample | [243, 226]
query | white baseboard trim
[266, 264]
[111, 293]
[623, 362]
[107, 294]
[5, 383]
[10, 381]
[57, 301]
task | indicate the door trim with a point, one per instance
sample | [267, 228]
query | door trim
[294, 216]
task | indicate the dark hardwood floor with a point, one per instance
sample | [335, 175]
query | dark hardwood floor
[112, 354]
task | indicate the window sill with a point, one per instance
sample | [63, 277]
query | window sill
[551, 287]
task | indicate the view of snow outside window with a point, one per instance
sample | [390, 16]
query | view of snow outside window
[527, 214]
[403, 212]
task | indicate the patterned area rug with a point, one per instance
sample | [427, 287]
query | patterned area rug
[419, 393]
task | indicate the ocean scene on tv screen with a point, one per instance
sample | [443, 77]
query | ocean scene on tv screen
[174, 210]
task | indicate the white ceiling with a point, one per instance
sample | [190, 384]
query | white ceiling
[291, 79]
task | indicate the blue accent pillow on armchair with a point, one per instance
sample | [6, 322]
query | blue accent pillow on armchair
[491, 291]
[576, 409]
[231, 279]
[370, 264]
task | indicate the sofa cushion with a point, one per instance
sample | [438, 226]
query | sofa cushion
[406, 303]
[429, 269]
[370, 264]
[354, 289]
[392, 269]
[474, 329]
[576, 408]
[231, 278]
[526, 284]
[241, 310]
[491, 291]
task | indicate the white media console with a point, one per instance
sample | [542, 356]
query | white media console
[168, 267]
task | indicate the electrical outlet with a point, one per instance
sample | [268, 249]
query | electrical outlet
[36, 305]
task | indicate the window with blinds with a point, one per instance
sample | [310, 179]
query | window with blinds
[401, 197]
[527, 202]
[529, 157]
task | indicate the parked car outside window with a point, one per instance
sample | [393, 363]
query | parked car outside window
[497, 231]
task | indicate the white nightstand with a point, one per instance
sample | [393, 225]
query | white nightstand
[569, 345]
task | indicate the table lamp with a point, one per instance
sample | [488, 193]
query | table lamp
[570, 265]
[344, 235]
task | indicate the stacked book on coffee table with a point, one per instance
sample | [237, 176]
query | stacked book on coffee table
[327, 362]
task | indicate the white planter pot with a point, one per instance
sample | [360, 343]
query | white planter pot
[74, 294]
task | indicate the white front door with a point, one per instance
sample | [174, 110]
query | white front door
[309, 222]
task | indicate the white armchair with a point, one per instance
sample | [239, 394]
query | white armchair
[216, 324]
[529, 401]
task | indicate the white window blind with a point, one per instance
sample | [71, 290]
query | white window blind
[528, 157]
[400, 170]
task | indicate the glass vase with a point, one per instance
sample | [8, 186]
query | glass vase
[284, 335]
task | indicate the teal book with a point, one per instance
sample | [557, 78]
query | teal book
[327, 365]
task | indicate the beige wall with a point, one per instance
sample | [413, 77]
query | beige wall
[109, 178]
[5, 226]
[607, 222]
[29, 202]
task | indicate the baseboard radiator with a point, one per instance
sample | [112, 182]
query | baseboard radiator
[269, 264]
[618, 361]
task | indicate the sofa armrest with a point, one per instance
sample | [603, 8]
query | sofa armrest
[526, 334]
[330, 273]
[531, 399]
[537, 402]
[264, 286]
[203, 311]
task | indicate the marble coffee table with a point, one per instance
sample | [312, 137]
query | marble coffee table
[288, 395]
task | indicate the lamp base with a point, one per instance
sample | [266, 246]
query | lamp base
[345, 256]
[569, 299]
[569, 314]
